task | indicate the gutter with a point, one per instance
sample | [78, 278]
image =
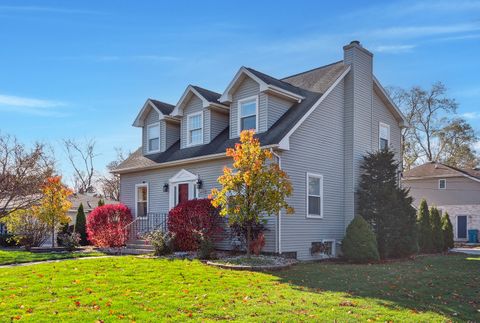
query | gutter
[178, 162]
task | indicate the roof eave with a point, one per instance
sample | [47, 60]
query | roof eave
[403, 123]
[138, 122]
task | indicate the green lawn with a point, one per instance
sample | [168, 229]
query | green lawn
[14, 257]
[435, 288]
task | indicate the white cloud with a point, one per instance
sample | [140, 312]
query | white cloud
[476, 146]
[30, 105]
[421, 31]
[394, 49]
[471, 115]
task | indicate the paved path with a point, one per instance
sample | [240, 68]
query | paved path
[468, 251]
[50, 261]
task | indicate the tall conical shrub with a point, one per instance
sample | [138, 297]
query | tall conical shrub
[386, 206]
[437, 233]
[447, 229]
[360, 244]
[80, 225]
[424, 228]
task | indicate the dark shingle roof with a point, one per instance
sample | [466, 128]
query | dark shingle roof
[210, 96]
[273, 136]
[165, 108]
[276, 82]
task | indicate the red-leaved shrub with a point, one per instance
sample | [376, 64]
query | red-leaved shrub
[188, 220]
[106, 225]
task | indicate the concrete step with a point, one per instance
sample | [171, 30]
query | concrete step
[139, 246]
[134, 251]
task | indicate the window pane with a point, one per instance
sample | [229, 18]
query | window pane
[142, 208]
[248, 108]
[153, 144]
[248, 123]
[384, 132]
[313, 186]
[442, 183]
[383, 143]
[196, 136]
[195, 122]
[314, 205]
[153, 132]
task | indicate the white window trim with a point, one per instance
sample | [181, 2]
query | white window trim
[314, 216]
[380, 125]
[190, 115]
[137, 186]
[239, 118]
[182, 177]
[156, 124]
[442, 188]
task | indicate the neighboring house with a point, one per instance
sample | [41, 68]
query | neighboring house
[456, 191]
[319, 123]
[89, 201]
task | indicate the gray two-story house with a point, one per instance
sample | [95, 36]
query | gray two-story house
[318, 123]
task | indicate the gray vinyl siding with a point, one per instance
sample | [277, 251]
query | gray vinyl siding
[151, 118]
[459, 190]
[276, 107]
[247, 88]
[218, 123]
[316, 147]
[192, 106]
[359, 106]
[172, 134]
[207, 171]
[383, 115]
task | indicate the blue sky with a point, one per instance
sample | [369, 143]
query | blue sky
[83, 69]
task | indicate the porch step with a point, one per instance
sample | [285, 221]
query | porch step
[138, 247]
[134, 251]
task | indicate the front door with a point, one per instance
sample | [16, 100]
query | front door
[182, 193]
[462, 227]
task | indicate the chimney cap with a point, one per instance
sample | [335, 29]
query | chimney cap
[356, 42]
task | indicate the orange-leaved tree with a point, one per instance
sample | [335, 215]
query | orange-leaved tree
[253, 187]
[54, 204]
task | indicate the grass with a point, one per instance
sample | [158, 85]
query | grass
[433, 288]
[8, 257]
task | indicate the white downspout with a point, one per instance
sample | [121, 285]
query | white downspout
[279, 212]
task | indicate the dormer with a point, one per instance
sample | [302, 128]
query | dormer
[202, 116]
[159, 129]
[257, 100]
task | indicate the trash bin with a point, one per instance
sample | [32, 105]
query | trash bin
[473, 236]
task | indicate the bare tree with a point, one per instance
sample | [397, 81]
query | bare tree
[81, 156]
[433, 127]
[22, 173]
[110, 184]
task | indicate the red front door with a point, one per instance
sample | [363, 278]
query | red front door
[182, 193]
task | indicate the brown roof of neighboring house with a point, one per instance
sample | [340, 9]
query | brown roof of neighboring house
[89, 201]
[435, 169]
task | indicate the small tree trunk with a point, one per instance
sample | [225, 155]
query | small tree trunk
[53, 234]
[249, 239]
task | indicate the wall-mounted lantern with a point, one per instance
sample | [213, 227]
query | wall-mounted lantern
[165, 187]
[199, 184]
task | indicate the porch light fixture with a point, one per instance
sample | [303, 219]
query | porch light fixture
[165, 187]
[199, 184]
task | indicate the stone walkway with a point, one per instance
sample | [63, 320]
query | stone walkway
[50, 261]
[468, 251]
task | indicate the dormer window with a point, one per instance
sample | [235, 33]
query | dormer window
[195, 129]
[153, 136]
[248, 112]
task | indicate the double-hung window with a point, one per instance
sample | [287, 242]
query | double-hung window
[442, 184]
[195, 129]
[248, 114]
[314, 195]
[153, 136]
[383, 136]
[141, 200]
